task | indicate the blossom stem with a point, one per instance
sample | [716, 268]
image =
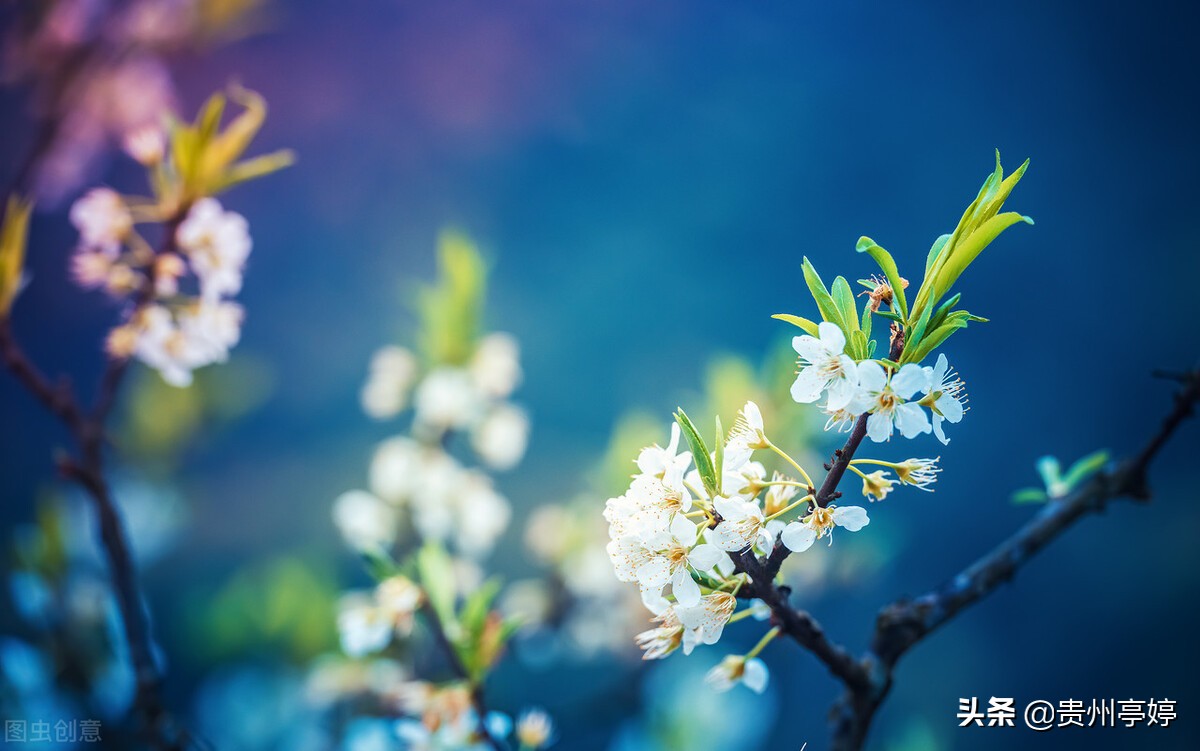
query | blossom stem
[438, 629]
[856, 471]
[741, 615]
[880, 462]
[763, 642]
[789, 507]
[784, 455]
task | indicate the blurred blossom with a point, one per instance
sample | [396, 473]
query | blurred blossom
[496, 366]
[393, 372]
[500, 439]
[446, 399]
[365, 521]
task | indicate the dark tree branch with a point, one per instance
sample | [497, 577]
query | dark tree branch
[87, 470]
[903, 624]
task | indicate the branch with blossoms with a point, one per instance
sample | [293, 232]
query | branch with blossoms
[702, 530]
[430, 517]
[177, 316]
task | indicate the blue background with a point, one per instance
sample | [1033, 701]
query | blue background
[646, 178]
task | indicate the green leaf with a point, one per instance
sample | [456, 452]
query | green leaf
[888, 265]
[916, 333]
[1030, 495]
[820, 293]
[939, 315]
[1085, 467]
[810, 327]
[719, 464]
[1051, 472]
[843, 299]
[477, 606]
[436, 572]
[934, 339]
[966, 252]
[700, 455]
[379, 564]
[934, 251]
[865, 325]
[889, 315]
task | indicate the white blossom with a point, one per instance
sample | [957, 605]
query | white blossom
[447, 399]
[799, 536]
[535, 729]
[707, 620]
[392, 373]
[395, 469]
[501, 437]
[741, 524]
[482, 514]
[217, 243]
[496, 366]
[365, 521]
[734, 669]
[920, 473]
[363, 627]
[887, 400]
[746, 435]
[945, 396]
[103, 220]
[667, 464]
[824, 365]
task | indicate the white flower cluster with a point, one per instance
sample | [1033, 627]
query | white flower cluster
[472, 399]
[658, 540]
[866, 387]
[415, 481]
[674, 538]
[173, 330]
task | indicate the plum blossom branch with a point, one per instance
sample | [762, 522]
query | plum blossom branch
[903, 624]
[88, 471]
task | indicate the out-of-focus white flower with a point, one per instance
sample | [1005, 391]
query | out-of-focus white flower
[103, 220]
[217, 242]
[215, 326]
[363, 627]
[501, 437]
[945, 396]
[736, 669]
[392, 374]
[365, 521]
[91, 268]
[165, 347]
[799, 536]
[447, 398]
[741, 524]
[146, 144]
[483, 514]
[398, 598]
[395, 470]
[824, 365]
[535, 729]
[887, 400]
[496, 366]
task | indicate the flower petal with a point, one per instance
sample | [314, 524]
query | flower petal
[798, 537]
[809, 384]
[911, 379]
[755, 675]
[832, 337]
[850, 518]
[687, 592]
